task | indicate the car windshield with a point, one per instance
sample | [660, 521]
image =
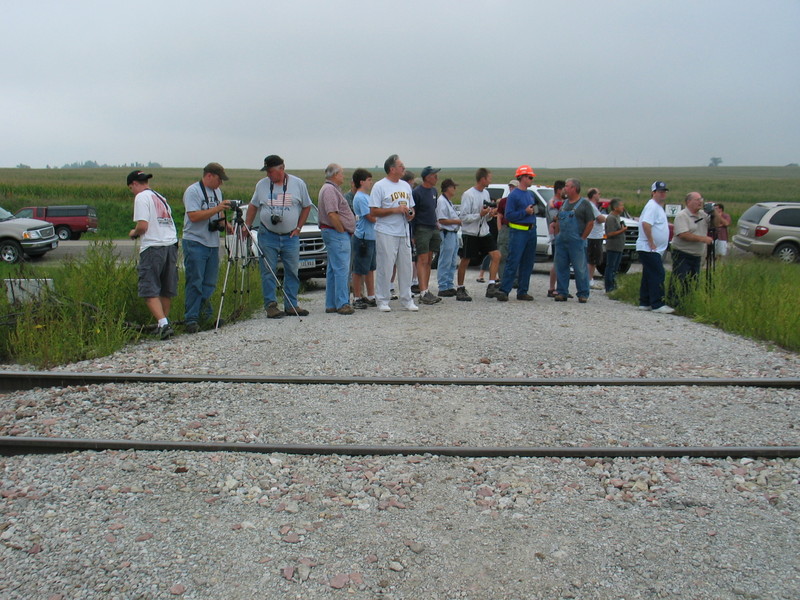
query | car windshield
[5, 215]
[313, 216]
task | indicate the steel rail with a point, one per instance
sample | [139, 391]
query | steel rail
[11, 446]
[25, 380]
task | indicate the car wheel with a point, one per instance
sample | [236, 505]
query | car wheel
[786, 252]
[76, 235]
[601, 266]
[63, 233]
[624, 266]
[10, 251]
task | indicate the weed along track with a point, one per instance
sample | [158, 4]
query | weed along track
[94, 411]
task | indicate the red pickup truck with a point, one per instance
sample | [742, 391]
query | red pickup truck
[69, 221]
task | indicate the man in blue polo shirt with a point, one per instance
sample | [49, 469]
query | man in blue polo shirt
[521, 216]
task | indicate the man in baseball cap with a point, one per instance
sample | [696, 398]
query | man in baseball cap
[138, 176]
[426, 231]
[651, 244]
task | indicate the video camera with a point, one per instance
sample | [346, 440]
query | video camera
[489, 204]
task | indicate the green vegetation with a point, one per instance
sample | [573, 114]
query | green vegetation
[93, 309]
[750, 296]
[104, 188]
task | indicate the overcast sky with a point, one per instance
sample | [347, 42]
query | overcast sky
[465, 83]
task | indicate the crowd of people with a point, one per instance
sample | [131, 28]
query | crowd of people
[381, 239]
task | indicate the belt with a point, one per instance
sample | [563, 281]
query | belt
[523, 227]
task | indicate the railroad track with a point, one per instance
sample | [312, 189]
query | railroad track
[26, 380]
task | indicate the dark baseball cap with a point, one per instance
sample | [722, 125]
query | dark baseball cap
[138, 176]
[428, 171]
[273, 160]
[216, 169]
[659, 186]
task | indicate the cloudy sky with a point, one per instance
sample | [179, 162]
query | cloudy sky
[581, 83]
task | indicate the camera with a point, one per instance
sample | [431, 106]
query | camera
[218, 225]
[708, 207]
[235, 204]
[489, 204]
[275, 219]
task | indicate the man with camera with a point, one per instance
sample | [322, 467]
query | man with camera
[202, 224]
[283, 204]
[476, 210]
[689, 244]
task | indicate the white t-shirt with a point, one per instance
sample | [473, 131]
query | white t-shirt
[151, 207]
[472, 223]
[388, 194]
[598, 229]
[654, 214]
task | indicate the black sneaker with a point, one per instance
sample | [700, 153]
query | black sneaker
[192, 327]
[446, 293]
[361, 303]
[500, 296]
[415, 289]
[462, 295]
[371, 302]
[491, 290]
[165, 331]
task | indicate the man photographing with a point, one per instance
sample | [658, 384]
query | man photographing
[202, 224]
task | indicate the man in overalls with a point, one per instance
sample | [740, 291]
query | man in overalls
[575, 221]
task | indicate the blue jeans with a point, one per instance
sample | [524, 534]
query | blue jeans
[613, 258]
[520, 261]
[337, 279]
[448, 259]
[201, 266]
[287, 248]
[571, 251]
[651, 291]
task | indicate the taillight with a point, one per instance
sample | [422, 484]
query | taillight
[761, 230]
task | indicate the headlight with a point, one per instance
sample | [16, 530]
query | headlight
[32, 234]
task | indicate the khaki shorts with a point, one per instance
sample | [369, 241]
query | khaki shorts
[426, 239]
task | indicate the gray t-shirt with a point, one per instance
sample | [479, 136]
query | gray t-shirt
[193, 199]
[285, 201]
[615, 243]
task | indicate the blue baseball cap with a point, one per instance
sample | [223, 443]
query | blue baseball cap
[659, 186]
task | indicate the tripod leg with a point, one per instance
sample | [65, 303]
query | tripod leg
[265, 262]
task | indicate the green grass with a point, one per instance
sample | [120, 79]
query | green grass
[750, 296]
[94, 309]
[105, 189]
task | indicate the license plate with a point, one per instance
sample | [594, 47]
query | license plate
[743, 230]
[308, 264]
[54, 245]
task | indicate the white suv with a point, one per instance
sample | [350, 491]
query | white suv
[543, 195]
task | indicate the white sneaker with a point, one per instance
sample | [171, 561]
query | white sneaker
[596, 285]
[383, 307]
[411, 306]
[643, 307]
[664, 310]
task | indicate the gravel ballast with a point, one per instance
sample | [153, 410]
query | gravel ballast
[124, 524]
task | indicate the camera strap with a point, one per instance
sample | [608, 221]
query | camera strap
[163, 201]
[272, 189]
[205, 195]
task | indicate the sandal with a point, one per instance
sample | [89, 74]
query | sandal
[480, 280]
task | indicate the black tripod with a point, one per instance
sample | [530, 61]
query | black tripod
[244, 248]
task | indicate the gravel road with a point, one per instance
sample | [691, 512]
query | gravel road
[221, 525]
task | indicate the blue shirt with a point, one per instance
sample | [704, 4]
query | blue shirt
[365, 229]
[518, 201]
